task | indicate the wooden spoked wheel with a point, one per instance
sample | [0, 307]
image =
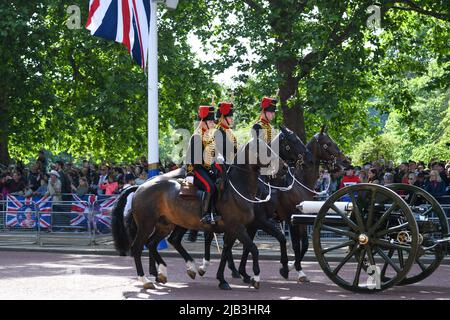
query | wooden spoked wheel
[353, 249]
[433, 226]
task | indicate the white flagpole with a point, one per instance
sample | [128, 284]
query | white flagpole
[153, 148]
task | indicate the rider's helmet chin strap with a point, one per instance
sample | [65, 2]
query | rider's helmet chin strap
[228, 124]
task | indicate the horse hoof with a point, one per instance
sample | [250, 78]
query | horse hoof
[191, 274]
[201, 272]
[303, 279]
[224, 286]
[284, 272]
[149, 285]
[255, 284]
[235, 274]
[161, 278]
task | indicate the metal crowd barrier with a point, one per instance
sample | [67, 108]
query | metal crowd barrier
[72, 221]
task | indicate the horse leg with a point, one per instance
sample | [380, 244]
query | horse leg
[304, 248]
[244, 237]
[175, 240]
[207, 257]
[297, 247]
[269, 228]
[136, 251]
[245, 252]
[161, 273]
[228, 241]
[234, 272]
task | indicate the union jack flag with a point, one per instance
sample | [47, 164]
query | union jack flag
[102, 209]
[81, 208]
[21, 211]
[124, 21]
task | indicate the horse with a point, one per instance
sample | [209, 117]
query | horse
[300, 179]
[292, 150]
[157, 208]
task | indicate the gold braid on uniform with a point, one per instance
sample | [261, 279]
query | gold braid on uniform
[267, 131]
[209, 145]
[231, 136]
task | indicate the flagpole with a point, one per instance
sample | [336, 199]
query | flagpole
[153, 148]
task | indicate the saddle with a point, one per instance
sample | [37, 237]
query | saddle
[191, 192]
[188, 190]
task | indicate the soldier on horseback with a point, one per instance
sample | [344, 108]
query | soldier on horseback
[200, 166]
[263, 130]
[226, 142]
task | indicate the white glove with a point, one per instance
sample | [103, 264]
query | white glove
[190, 179]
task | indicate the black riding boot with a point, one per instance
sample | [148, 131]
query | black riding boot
[209, 210]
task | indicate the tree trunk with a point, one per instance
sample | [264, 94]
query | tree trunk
[293, 116]
[4, 152]
[294, 119]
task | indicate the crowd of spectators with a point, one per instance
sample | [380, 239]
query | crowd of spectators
[434, 177]
[61, 179]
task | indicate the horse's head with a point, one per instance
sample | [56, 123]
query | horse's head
[292, 149]
[326, 150]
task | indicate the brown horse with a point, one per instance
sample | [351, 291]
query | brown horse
[157, 208]
[292, 150]
[302, 177]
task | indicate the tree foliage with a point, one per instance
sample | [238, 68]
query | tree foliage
[66, 91]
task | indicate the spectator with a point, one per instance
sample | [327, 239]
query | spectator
[65, 181]
[412, 166]
[54, 186]
[363, 176]
[83, 187]
[15, 185]
[336, 178]
[412, 178]
[111, 186]
[440, 168]
[3, 188]
[43, 189]
[129, 181]
[400, 172]
[372, 176]
[405, 179]
[420, 180]
[434, 185]
[103, 178]
[142, 178]
[349, 179]
[33, 179]
[388, 178]
[42, 160]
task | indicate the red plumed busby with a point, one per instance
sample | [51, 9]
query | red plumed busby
[269, 104]
[225, 109]
[205, 113]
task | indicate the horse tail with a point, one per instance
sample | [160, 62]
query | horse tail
[119, 233]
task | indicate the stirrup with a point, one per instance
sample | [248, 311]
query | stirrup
[210, 218]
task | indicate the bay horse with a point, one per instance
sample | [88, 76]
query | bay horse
[292, 150]
[302, 177]
[157, 208]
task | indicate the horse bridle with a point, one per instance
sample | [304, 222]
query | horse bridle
[298, 163]
[332, 158]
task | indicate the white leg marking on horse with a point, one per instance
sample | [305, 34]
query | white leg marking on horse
[291, 265]
[190, 265]
[145, 280]
[162, 269]
[257, 278]
[301, 274]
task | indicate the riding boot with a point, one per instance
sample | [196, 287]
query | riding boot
[208, 216]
